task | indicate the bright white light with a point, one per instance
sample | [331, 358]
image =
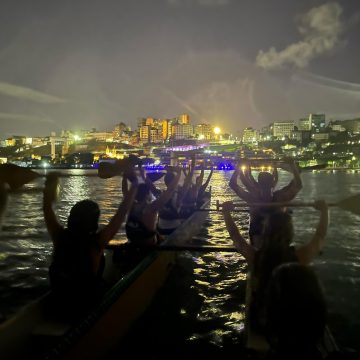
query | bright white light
[76, 137]
[217, 130]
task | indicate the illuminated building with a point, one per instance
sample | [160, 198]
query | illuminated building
[204, 131]
[184, 119]
[317, 122]
[320, 136]
[250, 136]
[336, 126]
[15, 141]
[352, 125]
[166, 128]
[305, 124]
[119, 130]
[182, 131]
[99, 136]
[282, 129]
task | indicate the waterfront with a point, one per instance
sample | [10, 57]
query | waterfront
[214, 302]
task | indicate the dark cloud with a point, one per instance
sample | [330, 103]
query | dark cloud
[94, 63]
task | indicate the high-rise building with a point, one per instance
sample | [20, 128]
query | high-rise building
[149, 121]
[305, 124]
[118, 130]
[250, 136]
[204, 131]
[283, 129]
[182, 131]
[352, 125]
[166, 129]
[184, 119]
[266, 133]
[317, 122]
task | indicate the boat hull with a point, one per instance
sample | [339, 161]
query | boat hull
[32, 334]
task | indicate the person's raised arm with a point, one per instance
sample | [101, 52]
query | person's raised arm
[246, 196]
[187, 181]
[240, 243]
[109, 231]
[247, 179]
[307, 252]
[297, 179]
[50, 192]
[154, 190]
[199, 181]
[167, 194]
[206, 184]
[124, 185]
[288, 192]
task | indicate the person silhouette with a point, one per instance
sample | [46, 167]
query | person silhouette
[78, 250]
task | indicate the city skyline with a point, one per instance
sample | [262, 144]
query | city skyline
[232, 64]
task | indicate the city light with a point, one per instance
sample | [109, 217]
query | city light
[77, 137]
[217, 130]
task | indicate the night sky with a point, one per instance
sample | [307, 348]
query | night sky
[78, 64]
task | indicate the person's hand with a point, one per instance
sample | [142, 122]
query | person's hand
[320, 205]
[227, 206]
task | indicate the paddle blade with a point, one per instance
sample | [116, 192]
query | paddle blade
[16, 176]
[351, 204]
[155, 176]
[313, 167]
[107, 170]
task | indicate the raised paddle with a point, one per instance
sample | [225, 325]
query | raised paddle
[16, 176]
[108, 170]
[198, 248]
[283, 164]
[351, 204]
[155, 176]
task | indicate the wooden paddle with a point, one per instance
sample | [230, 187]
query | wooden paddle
[16, 176]
[283, 164]
[286, 166]
[351, 204]
[198, 248]
[108, 170]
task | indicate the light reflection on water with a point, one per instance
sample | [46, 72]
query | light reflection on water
[219, 278]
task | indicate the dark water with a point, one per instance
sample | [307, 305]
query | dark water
[208, 306]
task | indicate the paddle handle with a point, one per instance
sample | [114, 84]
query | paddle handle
[246, 207]
[198, 248]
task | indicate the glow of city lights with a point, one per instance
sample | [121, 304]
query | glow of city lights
[77, 137]
[217, 130]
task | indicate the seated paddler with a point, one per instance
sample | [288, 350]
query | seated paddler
[169, 214]
[78, 249]
[141, 226]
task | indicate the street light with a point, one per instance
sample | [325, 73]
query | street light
[217, 130]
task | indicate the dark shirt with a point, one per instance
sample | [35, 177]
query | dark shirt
[75, 273]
